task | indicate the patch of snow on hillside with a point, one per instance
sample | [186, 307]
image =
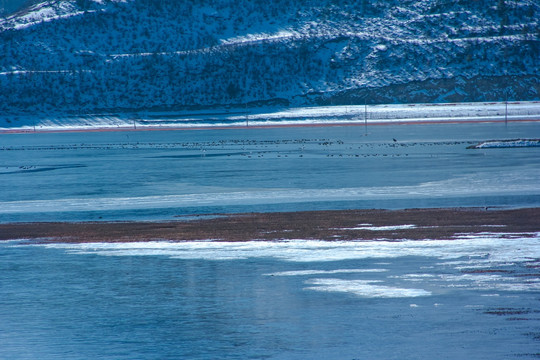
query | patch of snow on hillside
[42, 12]
[259, 37]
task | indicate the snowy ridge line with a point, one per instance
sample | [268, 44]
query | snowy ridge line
[253, 39]
[225, 44]
[42, 12]
[47, 11]
[421, 41]
[61, 71]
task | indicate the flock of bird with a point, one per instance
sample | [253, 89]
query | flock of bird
[247, 148]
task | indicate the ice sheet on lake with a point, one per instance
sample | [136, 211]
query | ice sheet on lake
[325, 272]
[364, 288]
[492, 183]
[515, 143]
[486, 249]
[382, 228]
[486, 256]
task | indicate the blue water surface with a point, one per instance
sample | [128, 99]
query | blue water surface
[64, 303]
[156, 175]
[61, 305]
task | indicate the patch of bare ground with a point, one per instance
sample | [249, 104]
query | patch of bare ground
[322, 225]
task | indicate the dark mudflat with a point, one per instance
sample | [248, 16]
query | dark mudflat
[323, 225]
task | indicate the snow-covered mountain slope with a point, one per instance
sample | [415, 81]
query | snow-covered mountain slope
[83, 56]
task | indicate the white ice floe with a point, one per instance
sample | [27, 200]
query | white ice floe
[364, 288]
[324, 272]
[413, 277]
[449, 258]
[515, 143]
[487, 281]
[382, 228]
[486, 249]
[492, 282]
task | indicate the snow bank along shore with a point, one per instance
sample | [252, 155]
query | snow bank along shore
[245, 117]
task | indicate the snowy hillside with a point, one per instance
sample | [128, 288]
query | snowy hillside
[87, 56]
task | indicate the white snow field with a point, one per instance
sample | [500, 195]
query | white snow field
[320, 115]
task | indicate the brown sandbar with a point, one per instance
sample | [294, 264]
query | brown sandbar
[321, 225]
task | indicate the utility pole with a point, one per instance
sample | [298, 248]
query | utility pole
[365, 114]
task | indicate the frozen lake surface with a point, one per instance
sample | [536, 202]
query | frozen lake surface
[475, 297]
[147, 175]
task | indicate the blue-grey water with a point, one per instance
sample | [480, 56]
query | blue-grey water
[469, 298]
[163, 174]
[290, 300]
